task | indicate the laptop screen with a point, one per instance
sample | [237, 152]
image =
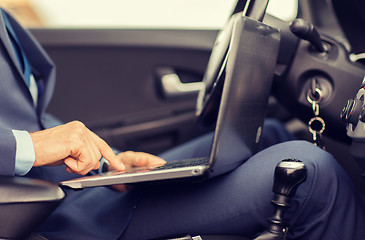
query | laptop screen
[247, 80]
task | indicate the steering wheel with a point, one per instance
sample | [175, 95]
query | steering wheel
[208, 100]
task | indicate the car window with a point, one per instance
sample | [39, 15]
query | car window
[146, 14]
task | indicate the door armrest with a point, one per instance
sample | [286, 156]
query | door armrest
[24, 205]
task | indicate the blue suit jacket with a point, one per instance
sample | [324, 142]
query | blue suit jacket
[98, 213]
[17, 110]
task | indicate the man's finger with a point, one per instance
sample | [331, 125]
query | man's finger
[108, 153]
[139, 159]
[145, 159]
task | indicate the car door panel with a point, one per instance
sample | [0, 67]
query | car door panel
[109, 79]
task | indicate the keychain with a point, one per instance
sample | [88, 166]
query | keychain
[316, 125]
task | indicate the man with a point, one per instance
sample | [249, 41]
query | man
[235, 203]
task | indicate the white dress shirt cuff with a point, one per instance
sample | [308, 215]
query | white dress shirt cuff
[24, 155]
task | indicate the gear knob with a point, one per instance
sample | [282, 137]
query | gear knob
[289, 174]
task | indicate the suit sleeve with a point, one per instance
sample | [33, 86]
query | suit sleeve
[7, 152]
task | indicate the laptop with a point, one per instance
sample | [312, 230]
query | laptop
[246, 63]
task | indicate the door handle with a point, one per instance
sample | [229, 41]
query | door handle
[173, 87]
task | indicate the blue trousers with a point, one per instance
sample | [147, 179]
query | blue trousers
[326, 205]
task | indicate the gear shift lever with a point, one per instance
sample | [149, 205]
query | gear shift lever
[289, 174]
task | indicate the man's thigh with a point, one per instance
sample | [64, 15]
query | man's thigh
[239, 202]
[273, 132]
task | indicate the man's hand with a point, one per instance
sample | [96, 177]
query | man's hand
[139, 159]
[72, 144]
[136, 159]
